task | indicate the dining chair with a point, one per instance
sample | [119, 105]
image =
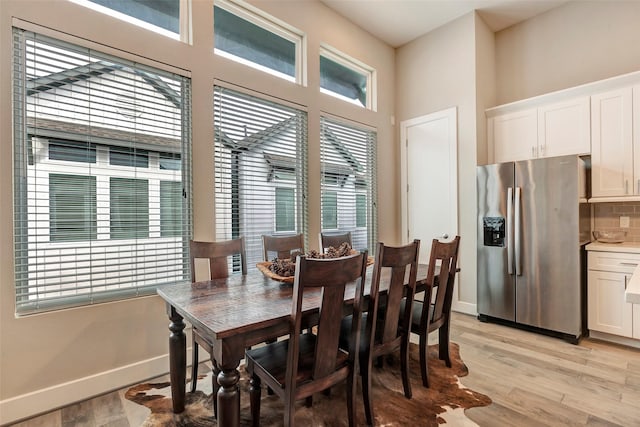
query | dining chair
[383, 333]
[218, 254]
[307, 363]
[282, 247]
[334, 239]
[434, 311]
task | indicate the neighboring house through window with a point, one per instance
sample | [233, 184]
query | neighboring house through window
[102, 178]
[348, 186]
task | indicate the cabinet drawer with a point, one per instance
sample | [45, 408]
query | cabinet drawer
[613, 261]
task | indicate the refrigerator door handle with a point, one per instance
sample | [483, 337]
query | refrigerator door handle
[510, 230]
[517, 232]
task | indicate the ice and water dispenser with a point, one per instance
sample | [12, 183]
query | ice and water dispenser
[494, 231]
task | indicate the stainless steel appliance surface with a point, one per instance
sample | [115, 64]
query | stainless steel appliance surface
[533, 222]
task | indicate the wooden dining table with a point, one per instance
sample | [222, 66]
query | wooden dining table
[234, 313]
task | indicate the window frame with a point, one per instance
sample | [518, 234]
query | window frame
[356, 66]
[273, 25]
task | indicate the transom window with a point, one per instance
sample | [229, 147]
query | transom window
[346, 78]
[161, 16]
[101, 203]
[253, 38]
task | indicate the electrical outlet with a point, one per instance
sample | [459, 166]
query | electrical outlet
[624, 222]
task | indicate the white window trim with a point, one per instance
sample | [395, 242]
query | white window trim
[360, 67]
[274, 25]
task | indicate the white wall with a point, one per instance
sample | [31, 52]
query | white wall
[435, 72]
[55, 358]
[577, 43]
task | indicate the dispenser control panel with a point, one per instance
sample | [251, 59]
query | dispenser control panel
[494, 231]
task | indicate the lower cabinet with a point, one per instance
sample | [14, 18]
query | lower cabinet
[607, 309]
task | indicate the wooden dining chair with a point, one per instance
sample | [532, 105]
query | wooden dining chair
[308, 363]
[218, 254]
[383, 334]
[334, 239]
[434, 311]
[282, 247]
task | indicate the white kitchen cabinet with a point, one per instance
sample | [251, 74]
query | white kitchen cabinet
[612, 169]
[607, 309]
[556, 129]
[514, 135]
[564, 128]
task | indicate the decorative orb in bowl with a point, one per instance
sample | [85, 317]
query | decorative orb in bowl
[610, 236]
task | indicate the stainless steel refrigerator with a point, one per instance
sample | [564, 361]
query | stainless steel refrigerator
[533, 223]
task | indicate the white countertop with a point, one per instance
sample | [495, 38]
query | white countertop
[629, 247]
[632, 293]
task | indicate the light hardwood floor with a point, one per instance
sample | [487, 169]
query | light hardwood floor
[533, 380]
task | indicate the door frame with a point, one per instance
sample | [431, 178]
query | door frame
[451, 115]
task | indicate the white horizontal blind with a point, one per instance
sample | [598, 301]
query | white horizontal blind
[101, 172]
[348, 182]
[260, 169]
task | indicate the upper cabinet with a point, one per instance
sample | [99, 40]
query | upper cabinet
[612, 165]
[553, 129]
[514, 135]
[563, 128]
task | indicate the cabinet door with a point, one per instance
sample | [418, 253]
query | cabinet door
[612, 144]
[607, 309]
[636, 321]
[636, 140]
[564, 128]
[515, 136]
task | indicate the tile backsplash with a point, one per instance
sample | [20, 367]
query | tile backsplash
[606, 217]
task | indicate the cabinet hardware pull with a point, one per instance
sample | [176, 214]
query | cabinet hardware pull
[625, 282]
[638, 191]
[626, 186]
[635, 264]
[533, 151]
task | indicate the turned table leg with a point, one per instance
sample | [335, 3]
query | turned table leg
[229, 398]
[177, 359]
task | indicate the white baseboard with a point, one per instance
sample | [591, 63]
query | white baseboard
[614, 339]
[48, 399]
[464, 307]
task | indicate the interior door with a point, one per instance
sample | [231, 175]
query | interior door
[429, 179]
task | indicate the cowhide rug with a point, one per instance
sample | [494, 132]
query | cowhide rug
[443, 402]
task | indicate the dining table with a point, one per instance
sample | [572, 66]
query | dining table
[235, 313]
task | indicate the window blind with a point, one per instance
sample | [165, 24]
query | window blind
[101, 172]
[348, 182]
[260, 169]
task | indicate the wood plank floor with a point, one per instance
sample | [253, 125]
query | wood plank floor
[533, 380]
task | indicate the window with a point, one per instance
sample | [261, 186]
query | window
[170, 208]
[254, 39]
[72, 207]
[329, 210]
[260, 168]
[162, 16]
[346, 78]
[285, 209]
[102, 196]
[361, 210]
[348, 187]
[129, 205]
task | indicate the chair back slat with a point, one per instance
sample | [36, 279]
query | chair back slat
[282, 247]
[382, 328]
[329, 277]
[217, 253]
[334, 240]
[444, 254]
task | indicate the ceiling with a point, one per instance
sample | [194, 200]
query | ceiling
[399, 21]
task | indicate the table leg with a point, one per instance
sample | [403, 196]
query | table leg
[229, 397]
[177, 360]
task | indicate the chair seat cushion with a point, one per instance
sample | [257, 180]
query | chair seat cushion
[272, 359]
[345, 333]
[416, 313]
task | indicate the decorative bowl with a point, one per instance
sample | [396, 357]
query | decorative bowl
[610, 236]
